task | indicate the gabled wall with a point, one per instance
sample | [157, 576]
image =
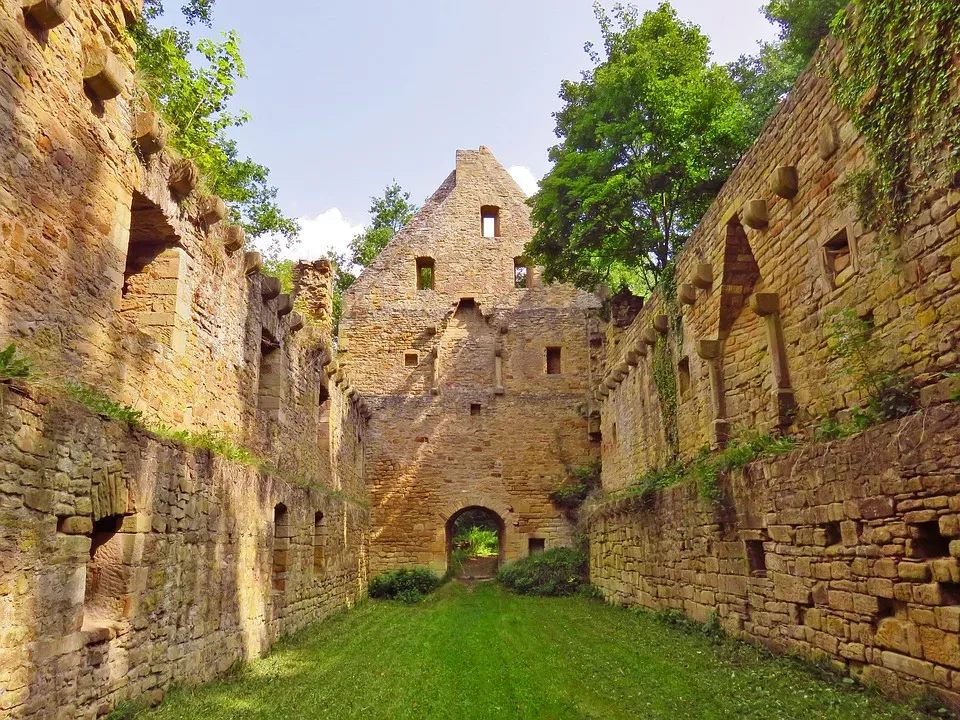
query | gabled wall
[429, 455]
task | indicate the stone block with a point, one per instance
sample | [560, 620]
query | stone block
[253, 263]
[75, 525]
[784, 181]
[284, 305]
[148, 133]
[103, 75]
[914, 572]
[183, 177]
[270, 288]
[233, 238]
[764, 304]
[661, 323]
[828, 141]
[703, 276]
[47, 14]
[212, 210]
[687, 294]
[877, 507]
[791, 589]
[755, 215]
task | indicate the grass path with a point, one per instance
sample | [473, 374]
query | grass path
[488, 654]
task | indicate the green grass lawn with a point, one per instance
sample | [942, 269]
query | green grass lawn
[489, 654]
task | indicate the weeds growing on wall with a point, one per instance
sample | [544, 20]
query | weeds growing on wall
[579, 483]
[664, 361]
[13, 365]
[100, 404]
[889, 394]
[898, 80]
[409, 586]
[706, 468]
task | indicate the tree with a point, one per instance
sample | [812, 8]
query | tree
[647, 138]
[388, 215]
[193, 100]
[766, 77]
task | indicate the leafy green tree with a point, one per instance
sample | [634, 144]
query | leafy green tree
[194, 100]
[647, 138]
[388, 215]
[766, 77]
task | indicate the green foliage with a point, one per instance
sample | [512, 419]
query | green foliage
[477, 542]
[125, 710]
[219, 442]
[764, 78]
[647, 137]
[388, 215]
[408, 586]
[713, 631]
[889, 394]
[282, 270]
[896, 81]
[665, 380]
[97, 402]
[556, 572]
[580, 481]
[706, 467]
[956, 395]
[13, 365]
[193, 99]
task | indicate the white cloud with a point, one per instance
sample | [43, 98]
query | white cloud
[525, 179]
[329, 230]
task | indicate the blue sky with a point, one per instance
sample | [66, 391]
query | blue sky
[346, 96]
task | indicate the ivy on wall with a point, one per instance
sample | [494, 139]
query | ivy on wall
[899, 80]
[664, 361]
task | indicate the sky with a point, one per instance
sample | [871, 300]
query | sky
[347, 96]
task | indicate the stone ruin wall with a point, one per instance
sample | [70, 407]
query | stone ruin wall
[128, 562]
[846, 547]
[429, 456]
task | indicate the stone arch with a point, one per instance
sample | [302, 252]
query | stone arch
[498, 518]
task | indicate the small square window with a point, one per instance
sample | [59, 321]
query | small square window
[535, 546]
[475, 409]
[837, 258]
[411, 359]
[756, 558]
[553, 361]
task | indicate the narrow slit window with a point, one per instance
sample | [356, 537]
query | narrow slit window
[270, 391]
[281, 547]
[554, 365]
[683, 376]
[490, 221]
[319, 542]
[425, 273]
[522, 278]
[103, 600]
[411, 359]
[535, 546]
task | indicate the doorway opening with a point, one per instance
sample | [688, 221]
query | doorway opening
[475, 543]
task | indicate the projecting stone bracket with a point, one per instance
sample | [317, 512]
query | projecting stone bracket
[233, 238]
[687, 294]
[47, 14]
[148, 133]
[252, 263]
[284, 305]
[828, 141]
[661, 323]
[755, 214]
[102, 73]
[785, 182]
[212, 210]
[703, 276]
[767, 306]
[183, 178]
[710, 351]
[269, 287]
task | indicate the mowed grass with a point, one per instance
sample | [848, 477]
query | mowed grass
[488, 654]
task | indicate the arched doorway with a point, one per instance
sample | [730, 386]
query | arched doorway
[475, 542]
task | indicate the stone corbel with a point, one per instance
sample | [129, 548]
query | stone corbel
[253, 263]
[703, 276]
[148, 133]
[767, 306]
[47, 14]
[710, 351]
[755, 214]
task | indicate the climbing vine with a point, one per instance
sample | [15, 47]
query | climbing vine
[664, 360]
[898, 81]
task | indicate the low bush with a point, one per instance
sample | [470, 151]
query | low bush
[559, 571]
[13, 366]
[408, 586]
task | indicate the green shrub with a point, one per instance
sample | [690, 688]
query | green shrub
[408, 586]
[559, 571]
[577, 486]
[477, 542]
[13, 365]
[100, 404]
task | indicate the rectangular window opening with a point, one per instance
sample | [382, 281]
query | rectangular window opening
[103, 599]
[522, 277]
[475, 409]
[756, 558]
[319, 542]
[837, 258]
[490, 221]
[554, 365]
[281, 547]
[425, 273]
[535, 546]
[270, 389]
[926, 542]
[411, 359]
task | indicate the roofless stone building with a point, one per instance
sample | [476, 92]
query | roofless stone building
[476, 371]
[132, 559]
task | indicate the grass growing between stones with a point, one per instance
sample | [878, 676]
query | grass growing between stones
[490, 654]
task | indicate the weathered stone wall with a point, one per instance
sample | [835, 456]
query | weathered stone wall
[430, 453]
[120, 273]
[198, 576]
[848, 548]
[752, 279]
